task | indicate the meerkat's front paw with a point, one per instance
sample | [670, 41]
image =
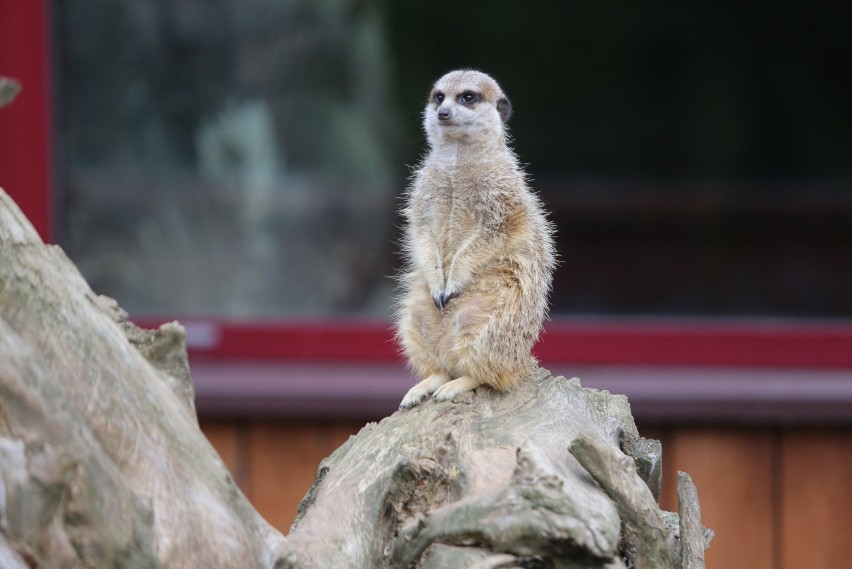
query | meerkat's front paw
[442, 298]
[446, 294]
[449, 390]
[423, 390]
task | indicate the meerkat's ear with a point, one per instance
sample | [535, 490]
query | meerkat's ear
[504, 107]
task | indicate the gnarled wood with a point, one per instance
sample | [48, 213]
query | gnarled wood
[102, 463]
[693, 538]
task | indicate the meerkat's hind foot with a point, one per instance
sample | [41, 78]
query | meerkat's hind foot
[423, 390]
[449, 390]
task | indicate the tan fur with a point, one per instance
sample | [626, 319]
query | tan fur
[476, 235]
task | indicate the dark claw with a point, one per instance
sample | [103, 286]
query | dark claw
[442, 299]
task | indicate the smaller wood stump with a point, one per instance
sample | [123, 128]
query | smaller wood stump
[550, 475]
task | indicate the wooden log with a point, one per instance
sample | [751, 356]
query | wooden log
[101, 459]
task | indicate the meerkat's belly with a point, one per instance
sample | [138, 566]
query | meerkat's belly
[480, 306]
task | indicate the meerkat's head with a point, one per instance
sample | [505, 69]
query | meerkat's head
[466, 107]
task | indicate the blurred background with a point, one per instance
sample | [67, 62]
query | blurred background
[244, 158]
[238, 165]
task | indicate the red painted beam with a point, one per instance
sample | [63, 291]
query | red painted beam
[331, 340]
[785, 344]
[26, 169]
[733, 343]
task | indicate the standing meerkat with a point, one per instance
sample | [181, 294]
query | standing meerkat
[478, 249]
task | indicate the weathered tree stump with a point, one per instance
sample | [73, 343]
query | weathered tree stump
[533, 478]
[102, 463]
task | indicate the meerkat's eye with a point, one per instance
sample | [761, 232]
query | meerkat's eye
[468, 98]
[439, 97]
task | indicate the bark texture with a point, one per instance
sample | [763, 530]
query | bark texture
[534, 478]
[102, 463]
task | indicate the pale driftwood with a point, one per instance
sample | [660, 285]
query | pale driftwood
[693, 540]
[490, 480]
[102, 463]
[645, 532]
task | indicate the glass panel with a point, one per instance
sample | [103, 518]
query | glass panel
[228, 158]
[244, 158]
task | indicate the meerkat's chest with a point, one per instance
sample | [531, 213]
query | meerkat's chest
[455, 212]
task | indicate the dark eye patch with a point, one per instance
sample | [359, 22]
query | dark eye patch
[468, 98]
[438, 97]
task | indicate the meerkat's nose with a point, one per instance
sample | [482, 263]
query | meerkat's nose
[443, 114]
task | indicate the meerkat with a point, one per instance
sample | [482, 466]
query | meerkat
[478, 249]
